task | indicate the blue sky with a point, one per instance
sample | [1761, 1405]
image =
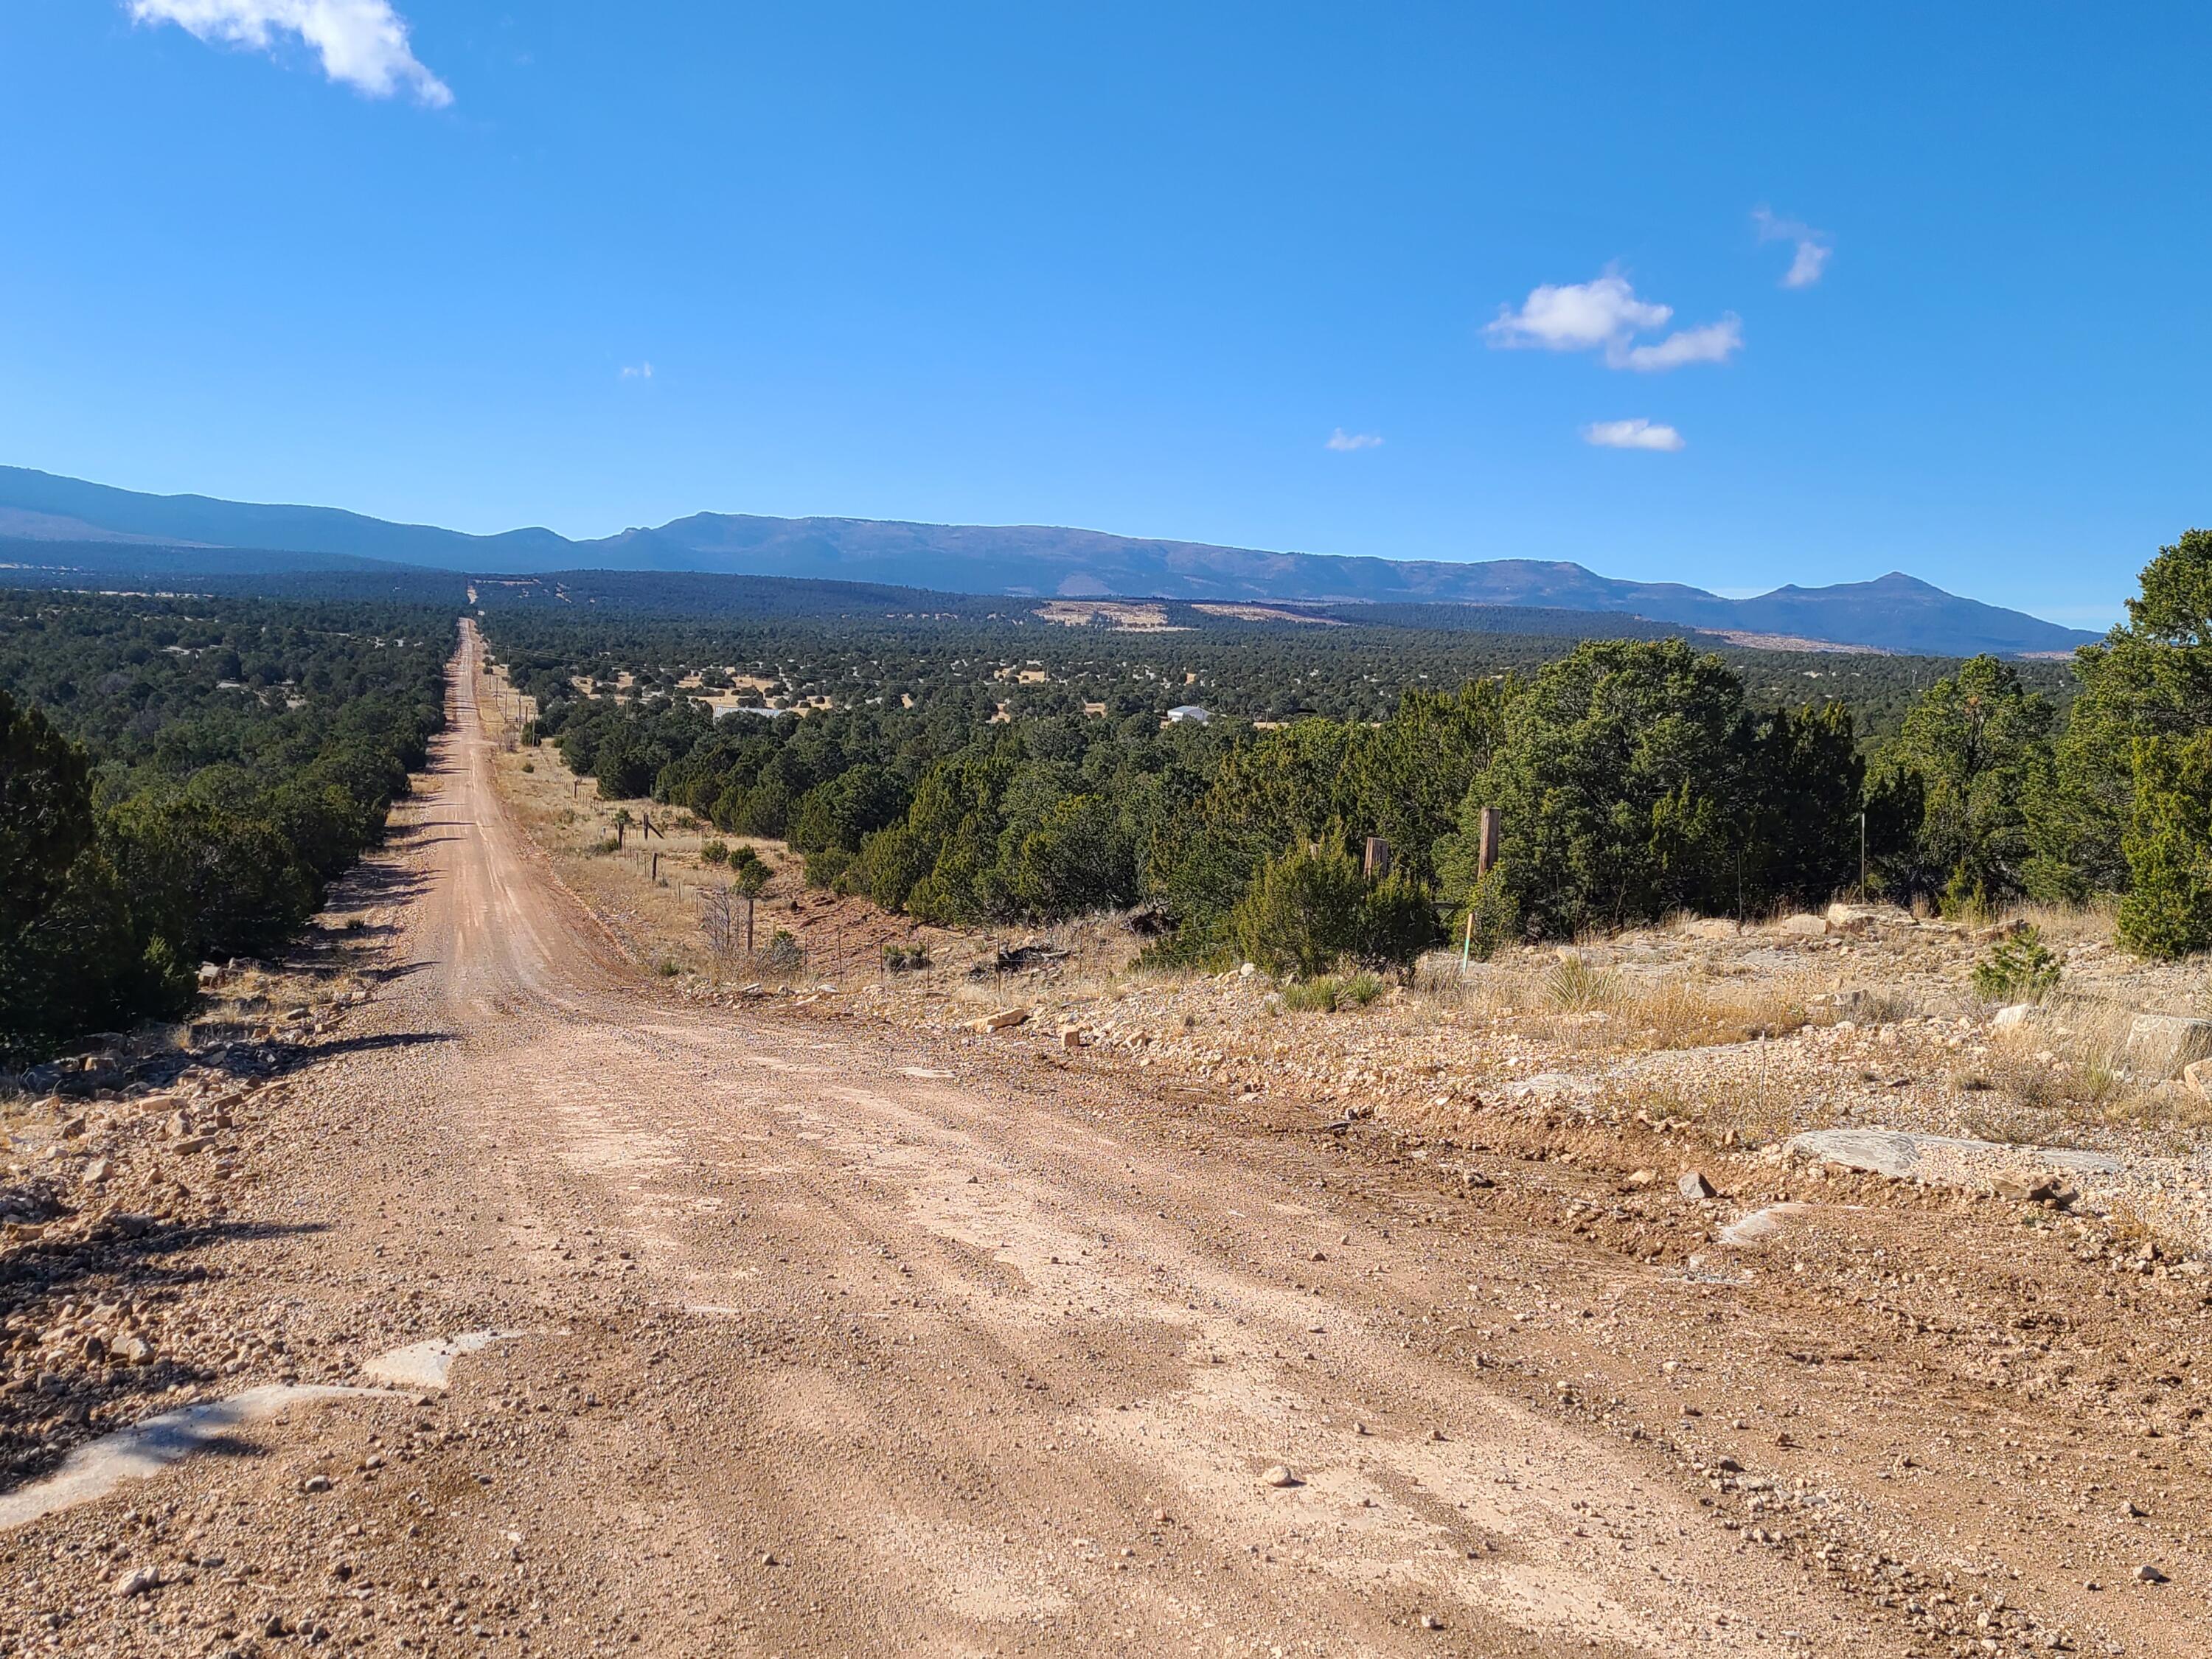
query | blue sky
[1134, 267]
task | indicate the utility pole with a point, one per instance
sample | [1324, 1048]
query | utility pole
[1862, 857]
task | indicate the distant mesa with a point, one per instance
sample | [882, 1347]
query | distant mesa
[42, 514]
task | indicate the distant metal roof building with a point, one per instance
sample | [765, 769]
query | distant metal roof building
[1188, 711]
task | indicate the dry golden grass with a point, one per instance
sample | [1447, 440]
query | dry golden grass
[1583, 1005]
[2061, 925]
[1717, 1106]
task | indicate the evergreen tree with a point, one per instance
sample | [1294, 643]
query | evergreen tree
[2151, 677]
[2167, 911]
[1623, 780]
[1979, 740]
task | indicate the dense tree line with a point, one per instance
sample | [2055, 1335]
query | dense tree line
[180, 779]
[1634, 777]
[852, 645]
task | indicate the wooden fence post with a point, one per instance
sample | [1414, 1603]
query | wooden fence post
[1488, 829]
[1377, 863]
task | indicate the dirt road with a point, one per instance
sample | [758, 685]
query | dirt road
[818, 1338]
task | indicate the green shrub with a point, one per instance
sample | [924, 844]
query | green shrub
[1304, 912]
[714, 852]
[2021, 969]
[750, 872]
[1360, 989]
[906, 958]
[1312, 907]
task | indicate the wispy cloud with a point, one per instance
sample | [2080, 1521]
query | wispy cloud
[1713, 343]
[1345, 441]
[1813, 246]
[1632, 435]
[637, 371]
[362, 43]
[1605, 315]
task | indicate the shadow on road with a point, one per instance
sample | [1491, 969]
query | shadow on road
[74, 1393]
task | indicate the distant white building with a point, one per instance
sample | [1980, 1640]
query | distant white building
[1188, 711]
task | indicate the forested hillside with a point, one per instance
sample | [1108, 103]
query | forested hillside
[1633, 777]
[180, 777]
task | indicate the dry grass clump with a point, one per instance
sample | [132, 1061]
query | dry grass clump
[1756, 1113]
[2061, 925]
[2071, 1065]
[1331, 992]
[1586, 1006]
[1673, 1012]
[2020, 1125]
[1571, 986]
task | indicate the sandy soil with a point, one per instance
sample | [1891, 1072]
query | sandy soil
[838, 1335]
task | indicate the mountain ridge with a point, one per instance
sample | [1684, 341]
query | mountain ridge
[1895, 611]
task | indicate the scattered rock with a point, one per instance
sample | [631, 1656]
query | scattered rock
[1804, 926]
[1004, 1019]
[1278, 1475]
[1901, 1156]
[1692, 1184]
[2012, 1016]
[138, 1582]
[2147, 1574]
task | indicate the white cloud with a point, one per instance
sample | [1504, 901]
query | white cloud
[1346, 441]
[1714, 343]
[1632, 435]
[362, 43]
[1576, 316]
[637, 371]
[1813, 246]
[1605, 315]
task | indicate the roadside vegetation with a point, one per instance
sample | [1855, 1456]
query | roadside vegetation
[1634, 778]
[180, 779]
